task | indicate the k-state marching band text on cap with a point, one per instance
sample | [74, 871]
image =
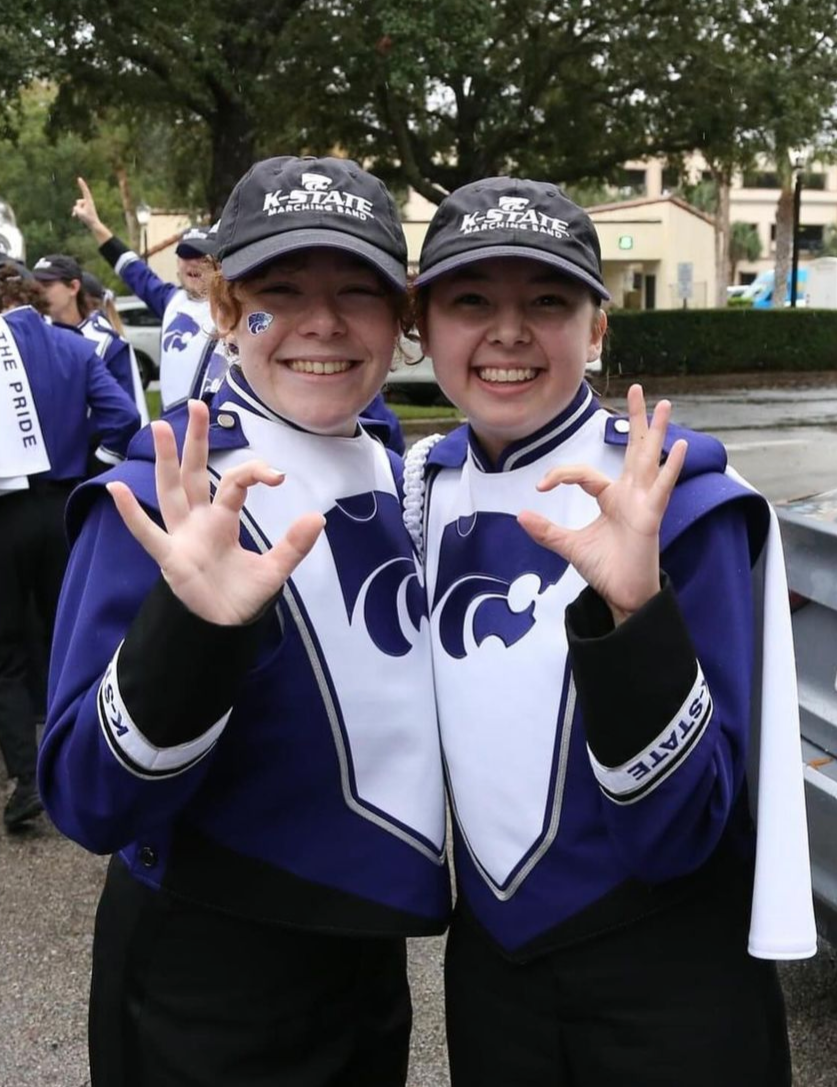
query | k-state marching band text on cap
[512, 217]
[287, 203]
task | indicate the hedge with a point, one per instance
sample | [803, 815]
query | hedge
[717, 341]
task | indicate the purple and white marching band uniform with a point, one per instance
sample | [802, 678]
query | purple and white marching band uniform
[596, 775]
[50, 378]
[64, 375]
[190, 356]
[118, 355]
[286, 771]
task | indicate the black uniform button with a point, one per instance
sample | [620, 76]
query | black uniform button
[147, 856]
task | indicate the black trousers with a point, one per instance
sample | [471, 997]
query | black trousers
[33, 558]
[673, 1001]
[187, 997]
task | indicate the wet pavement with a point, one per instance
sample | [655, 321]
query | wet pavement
[48, 893]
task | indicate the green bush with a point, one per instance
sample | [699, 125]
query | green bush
[721, 341]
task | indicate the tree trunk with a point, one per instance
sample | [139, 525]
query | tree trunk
[722, 230]
[784, 245]
[233, 153]
[128, 206]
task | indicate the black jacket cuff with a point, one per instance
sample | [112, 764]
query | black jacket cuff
[112, 250]
[178, 674]
[632, 679]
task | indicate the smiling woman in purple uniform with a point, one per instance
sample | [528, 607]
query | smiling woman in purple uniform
[592, 617]
[252, 728]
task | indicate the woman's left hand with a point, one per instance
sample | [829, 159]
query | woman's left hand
[618, 554]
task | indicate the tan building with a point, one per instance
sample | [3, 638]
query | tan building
[161, 236]
[753, 199]
[657, 253]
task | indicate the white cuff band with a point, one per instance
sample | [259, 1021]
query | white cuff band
[134, 751]
[632, 780]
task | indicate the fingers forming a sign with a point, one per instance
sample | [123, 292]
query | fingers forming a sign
[618, 553]
[199, 551]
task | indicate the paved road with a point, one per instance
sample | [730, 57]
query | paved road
[783, 440]
[49, 887]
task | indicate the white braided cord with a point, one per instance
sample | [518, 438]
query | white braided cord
[414, 464]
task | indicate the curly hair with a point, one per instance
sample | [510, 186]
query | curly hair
[18, 290]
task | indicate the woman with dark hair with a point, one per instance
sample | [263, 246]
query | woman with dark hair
[76, 299]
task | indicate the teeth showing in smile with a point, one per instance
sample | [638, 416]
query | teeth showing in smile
[501, 376]
[307, 366]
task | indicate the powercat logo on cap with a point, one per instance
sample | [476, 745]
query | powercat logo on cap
[317, 194]
[514, 213]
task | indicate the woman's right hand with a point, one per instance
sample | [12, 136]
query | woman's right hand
[84, 210]
[199, 552]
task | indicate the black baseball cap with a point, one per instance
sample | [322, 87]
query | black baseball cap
[286, 203]
[56, 266]
[198, 241]
[92, 285]
[512, 217]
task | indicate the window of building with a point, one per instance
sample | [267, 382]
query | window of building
[814, 181]
[811, 238]
[761, 179]
[630, 183]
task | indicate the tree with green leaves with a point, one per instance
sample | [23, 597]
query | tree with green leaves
[433, 95]
[764, 83]
[38, 178]
[744, 244]
[440, 94]
[798, 84]
[212, 73]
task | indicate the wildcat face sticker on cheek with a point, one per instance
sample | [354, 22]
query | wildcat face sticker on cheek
[259, 322]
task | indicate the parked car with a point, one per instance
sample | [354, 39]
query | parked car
[11, 239]
[413, 375]
[809, 534]
[759, 293]
[142, 330]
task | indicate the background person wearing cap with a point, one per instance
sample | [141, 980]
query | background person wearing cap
[189, 348]
[72, 303]
[595, 712]
[253, 733]
[51, 378]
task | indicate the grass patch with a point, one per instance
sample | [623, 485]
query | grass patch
[152, 398]
[407, 412]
